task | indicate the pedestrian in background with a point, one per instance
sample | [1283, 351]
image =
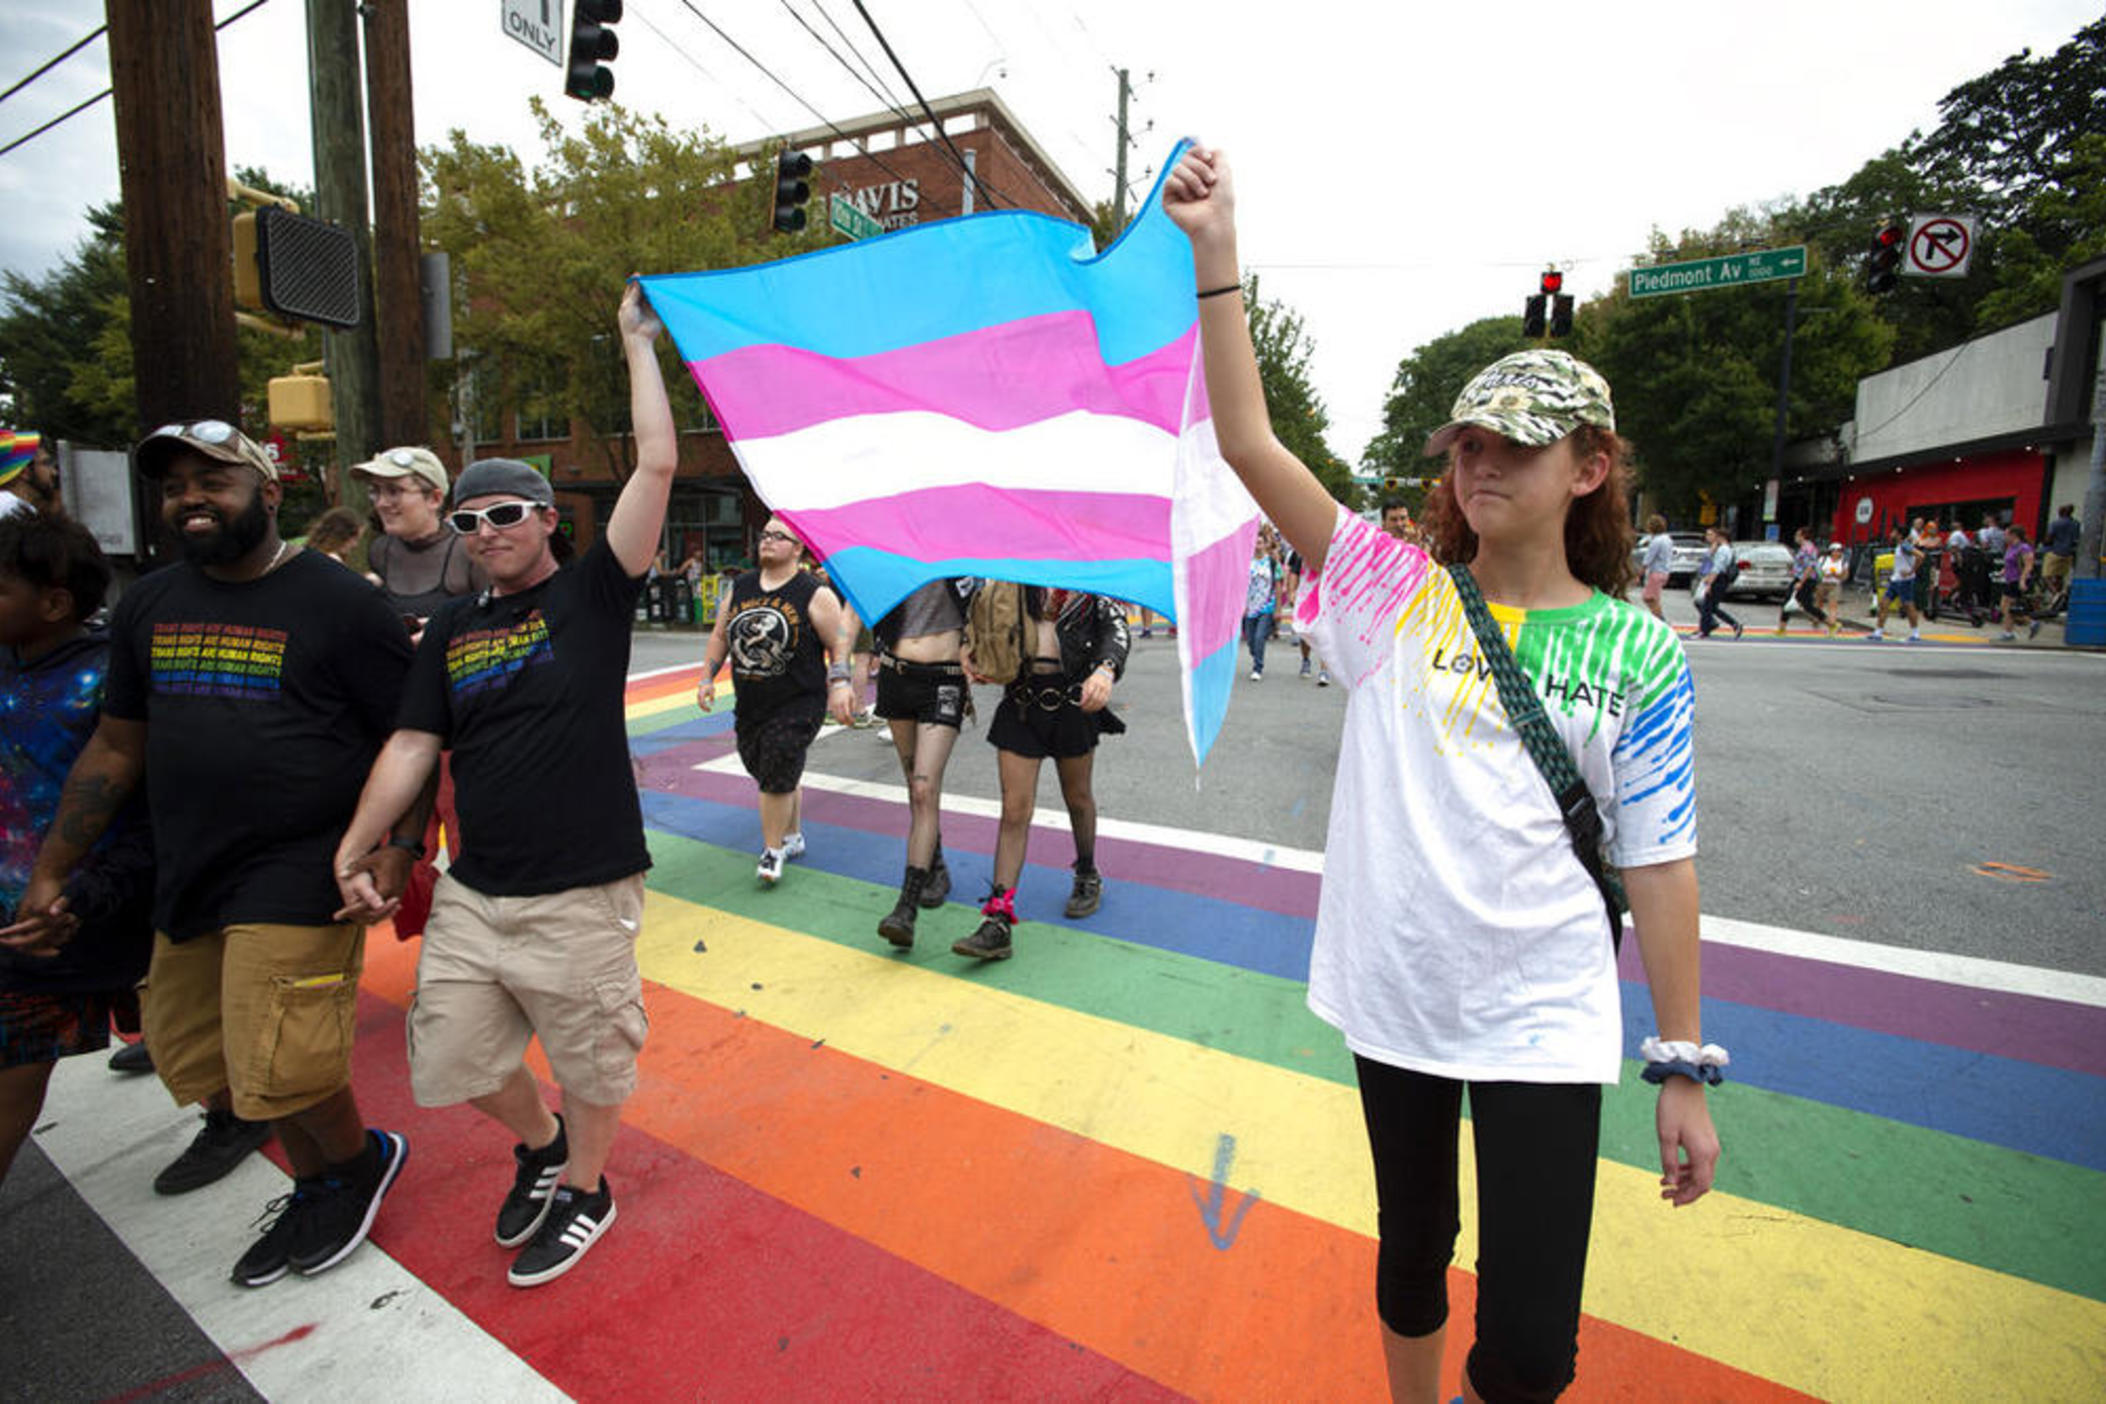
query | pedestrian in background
[1805, 566]
[1462, 945]
[786, 637]
[1260, 601]
[1901, 587]
[29, 480]
[420, 559]
[335, 534]
[2018, 574]
[1658, 564]
[1057, 706]
[1833, 570]
[2058, 549]
[1713, 577]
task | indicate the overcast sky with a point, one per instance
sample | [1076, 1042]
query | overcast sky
[1403, 169]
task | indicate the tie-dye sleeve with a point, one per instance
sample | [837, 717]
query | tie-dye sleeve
[1655, 759]
[1351, 607]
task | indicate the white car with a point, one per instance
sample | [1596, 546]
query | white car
[1765, 570]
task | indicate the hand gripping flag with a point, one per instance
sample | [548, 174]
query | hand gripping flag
[987, 396]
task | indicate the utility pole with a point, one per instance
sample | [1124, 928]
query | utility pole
[1784, 382]
[340, 197]
[397, 295]
[178, 242]
[1119, 168]
[2089, 545]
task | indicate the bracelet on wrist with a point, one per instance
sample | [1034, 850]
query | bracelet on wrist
[838, 672]
[1665, 1058]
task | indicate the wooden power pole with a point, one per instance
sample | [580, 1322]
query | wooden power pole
[179, 248]
[404, 417]
[340, 197]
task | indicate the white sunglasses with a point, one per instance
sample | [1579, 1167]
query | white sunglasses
[467, 520]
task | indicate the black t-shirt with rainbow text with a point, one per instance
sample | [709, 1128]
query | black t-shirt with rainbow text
[526, 689]
[265, 703]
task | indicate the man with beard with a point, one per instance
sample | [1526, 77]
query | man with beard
[29, 479]
[250, 687]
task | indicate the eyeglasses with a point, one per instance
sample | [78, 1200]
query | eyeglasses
[468, 520]
[777, 536]
[205, 431]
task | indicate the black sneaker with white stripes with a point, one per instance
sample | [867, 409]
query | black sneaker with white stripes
[574, 1223]
[533, 1189]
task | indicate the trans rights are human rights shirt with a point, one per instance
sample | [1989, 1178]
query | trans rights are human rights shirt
[1457, 933]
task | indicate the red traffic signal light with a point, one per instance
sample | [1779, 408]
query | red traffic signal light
[593, 43]
[791, 191]
[1883, 260]
[1553, 282]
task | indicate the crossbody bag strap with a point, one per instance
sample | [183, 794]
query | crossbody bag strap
[1525, 710]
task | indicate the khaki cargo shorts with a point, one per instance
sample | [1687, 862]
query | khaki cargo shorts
[496, 971]
[264, 1011]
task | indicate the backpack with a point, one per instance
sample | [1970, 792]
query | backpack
[995, 630]
[1727, 575]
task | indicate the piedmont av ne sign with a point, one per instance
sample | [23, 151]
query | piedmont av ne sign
[1727, 271]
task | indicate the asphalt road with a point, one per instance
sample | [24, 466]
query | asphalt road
[1845, 788]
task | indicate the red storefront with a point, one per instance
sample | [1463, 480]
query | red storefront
[2011, 483]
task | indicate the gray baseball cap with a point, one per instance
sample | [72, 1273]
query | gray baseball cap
[502, 477]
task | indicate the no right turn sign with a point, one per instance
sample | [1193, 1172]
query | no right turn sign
[1940, 246]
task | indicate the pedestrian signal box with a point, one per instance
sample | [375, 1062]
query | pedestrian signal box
[300, 401]
[305, 268]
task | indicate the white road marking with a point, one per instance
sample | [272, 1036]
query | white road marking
[371, 1326]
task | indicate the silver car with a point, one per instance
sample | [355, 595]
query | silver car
[1765, 570]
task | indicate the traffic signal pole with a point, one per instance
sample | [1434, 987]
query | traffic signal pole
[178, 246]
[1784, 380]
[339, 134]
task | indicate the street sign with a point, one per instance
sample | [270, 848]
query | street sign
[538, 24]
[1939, 246]
[1726, 271]
[849, 221]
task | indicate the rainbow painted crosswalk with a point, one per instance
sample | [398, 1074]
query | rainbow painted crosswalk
[1129, 1164]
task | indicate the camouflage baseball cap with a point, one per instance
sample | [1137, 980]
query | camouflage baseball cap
[1532, 397]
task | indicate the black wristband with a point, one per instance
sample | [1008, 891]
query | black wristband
[1223, 291]
[413, 847]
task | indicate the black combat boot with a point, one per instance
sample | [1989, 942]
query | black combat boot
[898, 925]
[939, 884]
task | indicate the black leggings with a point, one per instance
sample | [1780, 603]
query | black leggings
[1536, 1145]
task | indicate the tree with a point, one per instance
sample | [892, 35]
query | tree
[1425, 387]
[540, 254]
[1695, 375]
[1299, 419]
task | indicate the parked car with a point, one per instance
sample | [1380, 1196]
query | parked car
[1765, 570]
[1689, 554]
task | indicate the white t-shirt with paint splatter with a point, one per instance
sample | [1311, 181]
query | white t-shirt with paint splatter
[1457, 933]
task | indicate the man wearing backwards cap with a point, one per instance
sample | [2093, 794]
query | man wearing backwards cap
[250, 686]
[533, 929]
[28, 478]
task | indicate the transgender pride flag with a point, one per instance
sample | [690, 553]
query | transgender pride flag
[987, 396]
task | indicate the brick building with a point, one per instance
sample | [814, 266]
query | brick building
[892, 169]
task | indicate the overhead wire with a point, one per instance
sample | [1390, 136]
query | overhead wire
[83, 106]
[51, 63]
[883, 89]
[927, 111]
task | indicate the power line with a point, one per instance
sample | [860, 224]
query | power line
[50, 64]
[908, 78]
[798, 97]
[696, 64]
[81, 107]
[882, 90]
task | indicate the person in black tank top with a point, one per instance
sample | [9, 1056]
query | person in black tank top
[786, 637]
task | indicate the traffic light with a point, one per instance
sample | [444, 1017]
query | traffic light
[1561, 315]
[1553, 282]
[791, 191]
[1883, 262]
[1532, 316]
[593, 44]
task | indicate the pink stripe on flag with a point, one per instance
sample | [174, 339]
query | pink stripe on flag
[1218, 579]
[1000, 377]
[974, 520]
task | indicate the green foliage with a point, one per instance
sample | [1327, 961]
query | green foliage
[1299, 419]
[1425, 387]
[540, 256]
[1695, 375]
